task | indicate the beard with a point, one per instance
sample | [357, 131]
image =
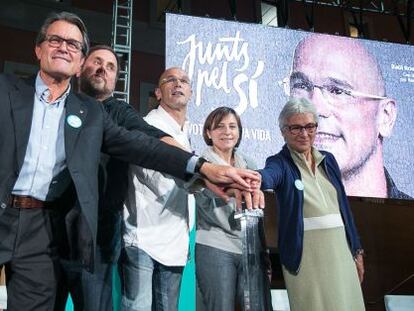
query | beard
[93, 88]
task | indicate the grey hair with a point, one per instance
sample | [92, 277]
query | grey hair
[67, 17]
[295, 106]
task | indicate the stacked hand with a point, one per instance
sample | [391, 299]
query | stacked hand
[228, 181]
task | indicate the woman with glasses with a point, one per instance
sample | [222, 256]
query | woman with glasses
[319, 247]
[218, 241]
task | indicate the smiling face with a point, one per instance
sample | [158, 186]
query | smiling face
[303, 141]
[174, 90]
[349, 126]
[225, 134]
[98, 76]
[59, 63]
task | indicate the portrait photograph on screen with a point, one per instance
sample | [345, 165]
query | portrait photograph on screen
[362, 90]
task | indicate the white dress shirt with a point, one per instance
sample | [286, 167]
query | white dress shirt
[158, 214]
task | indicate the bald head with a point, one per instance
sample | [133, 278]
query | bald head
[341, 58]
[172, 71]
[174, 90]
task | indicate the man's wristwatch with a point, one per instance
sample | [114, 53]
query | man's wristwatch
[198, 165]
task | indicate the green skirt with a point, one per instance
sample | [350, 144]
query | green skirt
[327, 279]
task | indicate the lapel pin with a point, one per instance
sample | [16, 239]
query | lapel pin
[74, 121]
[299, 184]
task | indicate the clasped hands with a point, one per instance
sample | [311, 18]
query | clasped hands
[227, 181]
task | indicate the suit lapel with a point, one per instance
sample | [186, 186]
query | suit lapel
[22, 102]
[76, 112]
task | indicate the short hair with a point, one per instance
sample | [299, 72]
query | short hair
[67, 17]
[295, 106]
[215, 117]
[108, 48]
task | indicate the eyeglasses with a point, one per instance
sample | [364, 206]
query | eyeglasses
[174, 80]
[335, 94]
[72, 45]
[296, 129]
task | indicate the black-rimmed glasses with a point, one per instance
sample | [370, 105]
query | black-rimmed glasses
[296, 129]
[56, 41]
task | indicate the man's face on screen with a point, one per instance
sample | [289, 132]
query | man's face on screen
[333, 72]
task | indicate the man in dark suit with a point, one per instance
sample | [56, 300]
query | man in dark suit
[50, 144]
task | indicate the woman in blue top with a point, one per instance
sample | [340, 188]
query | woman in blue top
[319, 246]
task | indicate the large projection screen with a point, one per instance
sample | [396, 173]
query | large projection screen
[365, 120]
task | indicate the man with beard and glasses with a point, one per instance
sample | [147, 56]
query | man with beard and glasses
[344, 81]
[93, 291]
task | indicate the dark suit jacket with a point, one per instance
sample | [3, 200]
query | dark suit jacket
[83, 148]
